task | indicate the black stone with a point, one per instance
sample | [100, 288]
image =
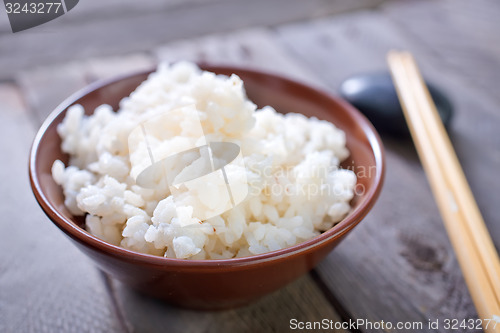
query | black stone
[375, 96]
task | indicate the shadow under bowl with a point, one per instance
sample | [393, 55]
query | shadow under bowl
[213, 284]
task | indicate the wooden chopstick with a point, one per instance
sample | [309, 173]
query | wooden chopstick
[453, 172]
[469, 236]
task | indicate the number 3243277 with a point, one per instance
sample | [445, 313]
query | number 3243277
[33, 8]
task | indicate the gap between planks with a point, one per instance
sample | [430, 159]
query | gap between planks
[62, 38]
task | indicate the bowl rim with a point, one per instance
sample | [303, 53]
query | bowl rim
[86, 238]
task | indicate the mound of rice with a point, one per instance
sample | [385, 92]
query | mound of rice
[296, 189]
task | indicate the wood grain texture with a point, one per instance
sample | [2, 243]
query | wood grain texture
[464, 34]
[414, 275]
[46, 87]
[101, 28]
[46, 284]
[4, 22]
[253, 48]
[397, 265]
[301, 300]
[106, 68]
[338, 48]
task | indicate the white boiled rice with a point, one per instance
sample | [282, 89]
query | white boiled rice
[296, 189]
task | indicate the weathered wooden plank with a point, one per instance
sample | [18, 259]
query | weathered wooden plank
[46, 284]
[398, 265]
[300, 300]
[4, 22]
[94, 10]
[415, 276]
[47, 87]
[465, 34]
[131, 26]
[341, 47]
[254, 48]
[105, 68]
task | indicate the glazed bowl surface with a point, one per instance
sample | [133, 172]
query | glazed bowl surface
[214, 284]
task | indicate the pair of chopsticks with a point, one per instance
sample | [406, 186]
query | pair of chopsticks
[469, 236]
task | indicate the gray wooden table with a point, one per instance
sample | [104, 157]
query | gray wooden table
[396, 266]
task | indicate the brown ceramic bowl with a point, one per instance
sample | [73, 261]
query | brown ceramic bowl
[213, 284]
